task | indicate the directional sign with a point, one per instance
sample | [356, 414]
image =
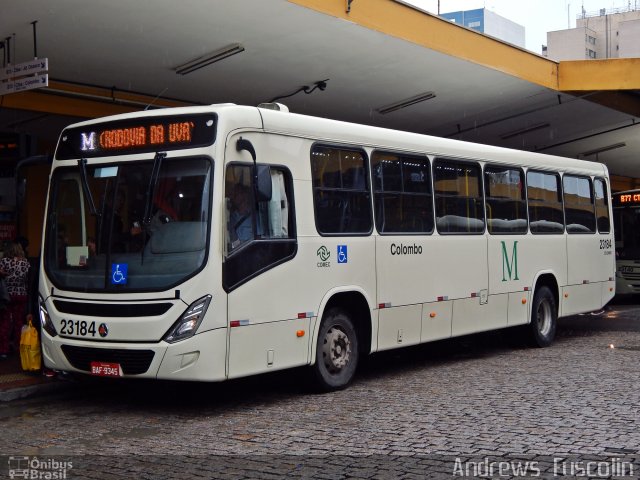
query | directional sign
[38, 65]
[25, 83]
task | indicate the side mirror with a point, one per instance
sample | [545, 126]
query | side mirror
[243, 144]
[262, 173]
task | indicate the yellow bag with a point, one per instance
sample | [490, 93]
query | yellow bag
[30, 347]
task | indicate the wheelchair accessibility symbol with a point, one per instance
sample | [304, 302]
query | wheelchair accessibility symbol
[119, 273]
[342, 254]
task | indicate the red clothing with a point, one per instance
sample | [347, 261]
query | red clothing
[11, 322]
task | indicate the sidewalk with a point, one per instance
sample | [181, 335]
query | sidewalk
[16, 383]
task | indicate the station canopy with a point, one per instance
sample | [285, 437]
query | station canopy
[376, 62]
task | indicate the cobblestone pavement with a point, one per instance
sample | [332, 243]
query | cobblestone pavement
[480, 406]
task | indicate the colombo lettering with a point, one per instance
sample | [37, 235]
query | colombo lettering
[406, 249]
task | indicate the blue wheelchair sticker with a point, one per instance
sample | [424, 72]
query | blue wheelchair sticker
[119, 273]
[342, 254]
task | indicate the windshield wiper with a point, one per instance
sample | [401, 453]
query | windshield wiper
[82, 163]
[148, 204]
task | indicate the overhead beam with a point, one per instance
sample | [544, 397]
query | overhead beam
[403, 21]
[591, 75]
[626, 102]
[62, 98]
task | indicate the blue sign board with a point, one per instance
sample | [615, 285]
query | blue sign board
[342, 254]
[119, 273]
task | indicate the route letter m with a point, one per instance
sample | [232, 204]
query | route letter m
[511, 265]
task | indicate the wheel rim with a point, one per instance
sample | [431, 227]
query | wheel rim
[544, 318]
[336, 350]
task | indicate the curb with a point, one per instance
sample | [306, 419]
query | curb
[32, 390]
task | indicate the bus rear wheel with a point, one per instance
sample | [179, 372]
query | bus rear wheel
[544, 317]
[336, 352]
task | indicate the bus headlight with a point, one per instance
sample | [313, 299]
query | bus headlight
[45, 320]
[189, 322]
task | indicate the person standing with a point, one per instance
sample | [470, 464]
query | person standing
[14, 267]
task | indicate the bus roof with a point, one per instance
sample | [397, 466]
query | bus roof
[335, 131]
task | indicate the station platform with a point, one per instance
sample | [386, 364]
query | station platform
[15, 383]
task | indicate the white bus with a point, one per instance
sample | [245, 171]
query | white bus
[626, 225]
[210, 243]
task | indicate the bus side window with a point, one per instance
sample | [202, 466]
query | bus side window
[402, 192]
[459, 197]
[271, 216]
[259, 234]
[239, 205]
[278, 207]
[506, 204]
[341, 195]
[545, 202]
[602, 206]
[578, 204]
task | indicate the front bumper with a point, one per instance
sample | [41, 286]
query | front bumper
[199, 358]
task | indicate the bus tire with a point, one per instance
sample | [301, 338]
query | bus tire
[336, 351]
[544, 317]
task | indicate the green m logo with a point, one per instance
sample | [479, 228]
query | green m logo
[511, 265]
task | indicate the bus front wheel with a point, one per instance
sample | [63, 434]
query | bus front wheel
[336, 352]
[544, 316]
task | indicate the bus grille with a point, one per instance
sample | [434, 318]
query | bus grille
[632, 277]
[133, 362]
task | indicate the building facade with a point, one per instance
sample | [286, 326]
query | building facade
[490, 23]
[607, 33]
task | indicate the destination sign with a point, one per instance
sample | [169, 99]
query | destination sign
[148, 134]
[622, 199]
[24, 83]
[31, 67]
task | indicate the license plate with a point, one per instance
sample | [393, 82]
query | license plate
[104, 369]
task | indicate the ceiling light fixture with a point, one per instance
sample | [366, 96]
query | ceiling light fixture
[522, 131]
[406, 103]
[602, 149]
[213, 57]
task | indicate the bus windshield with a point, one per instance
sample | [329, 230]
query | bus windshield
[148, 230]
[627, 233]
